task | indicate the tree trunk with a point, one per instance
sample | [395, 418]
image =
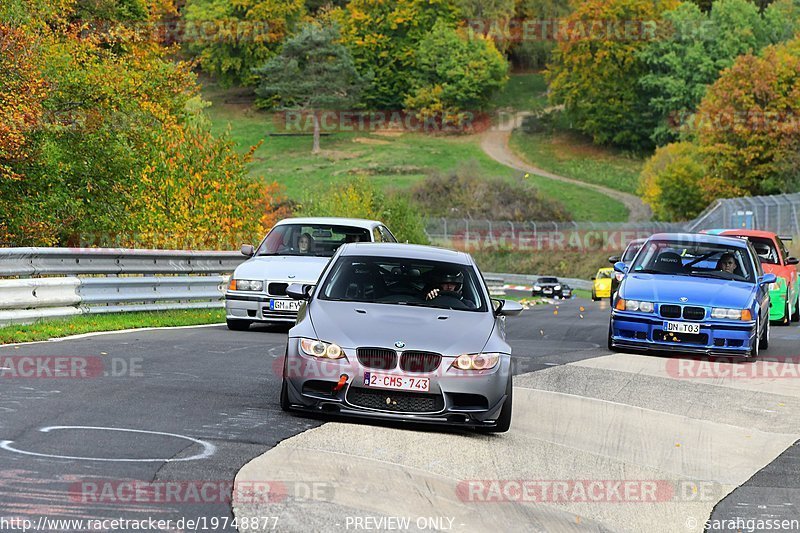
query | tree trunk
[315, 149]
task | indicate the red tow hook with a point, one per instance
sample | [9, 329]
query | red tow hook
[342, 382]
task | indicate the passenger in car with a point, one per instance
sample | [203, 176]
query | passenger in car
[305, 244]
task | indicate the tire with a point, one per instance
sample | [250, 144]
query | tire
[285, 405]
[796, 315]
[611, 347]
[238, 325]
[504, 420]
[755, 347]
[594, 296]
[787, 313]
[764, 344]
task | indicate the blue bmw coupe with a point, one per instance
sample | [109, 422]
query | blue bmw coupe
[693, 294]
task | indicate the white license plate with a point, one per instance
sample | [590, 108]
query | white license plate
[284, 305]
[681, 327]
[376, 380]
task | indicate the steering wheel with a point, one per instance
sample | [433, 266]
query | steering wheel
[396, 298]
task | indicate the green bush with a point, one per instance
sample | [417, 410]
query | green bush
[465, 194]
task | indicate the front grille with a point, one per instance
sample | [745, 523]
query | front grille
[420, 361]
[277, 289]
[670, 311]
[688, 338]
[694, 313]
[377, 358]
[397, 401]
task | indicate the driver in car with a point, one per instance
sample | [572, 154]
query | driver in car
[727, 263]
[449, 285]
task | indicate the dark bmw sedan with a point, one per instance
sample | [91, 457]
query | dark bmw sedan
[401, 332]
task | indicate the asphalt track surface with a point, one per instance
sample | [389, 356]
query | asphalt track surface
[198, 404]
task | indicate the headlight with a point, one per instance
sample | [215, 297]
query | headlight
[317, 348]
[477, 361]
[634, 305]
[731, 314]
[537, 288]
[557, 287]
[245, 285]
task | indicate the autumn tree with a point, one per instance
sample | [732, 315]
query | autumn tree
[672, 182]
[595, 69]
[454, 72]
[231, 38]
[383, 37]
[748, 124]
[313, 72]
[698, 47]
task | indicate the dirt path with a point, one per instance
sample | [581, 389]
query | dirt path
[495, 144]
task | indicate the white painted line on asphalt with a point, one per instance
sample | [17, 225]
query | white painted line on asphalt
[116, 332]
[208, 448]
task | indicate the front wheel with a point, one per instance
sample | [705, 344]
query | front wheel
[764, 344]
[594, 296]
[787, 313]
[285, 405]
[796, 314]
[756, 343]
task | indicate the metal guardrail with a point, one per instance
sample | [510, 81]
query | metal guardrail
[60, 282]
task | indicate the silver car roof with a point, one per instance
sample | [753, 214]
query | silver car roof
[407, 251]
[333, 221]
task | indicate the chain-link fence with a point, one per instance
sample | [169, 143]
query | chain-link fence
[777, 213]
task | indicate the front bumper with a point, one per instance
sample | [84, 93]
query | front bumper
[256, 308]
[548, 293]
[454, 398]
[717, 337]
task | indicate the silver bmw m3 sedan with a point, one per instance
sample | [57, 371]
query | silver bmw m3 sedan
[403, 332]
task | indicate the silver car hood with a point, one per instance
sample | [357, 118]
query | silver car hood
[420, 328]
[282, 267]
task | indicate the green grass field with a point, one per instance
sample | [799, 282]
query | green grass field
[575, 157]
[396, 159]
[51, 329]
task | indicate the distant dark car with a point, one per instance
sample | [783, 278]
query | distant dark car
[627, 257]
[549, 288]
[566, 291]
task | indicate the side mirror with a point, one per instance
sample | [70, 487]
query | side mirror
[593, 278]
[613, 259]
[247, 250]
[508, 308]
[296, 291]
[620, 267]
[792, 260]
[766, 279]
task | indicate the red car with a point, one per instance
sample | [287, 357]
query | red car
[775, 258]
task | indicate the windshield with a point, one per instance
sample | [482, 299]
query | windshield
[681, 258]
[630, 251]
[400, 281]
[320, 240]
[766, 250]
[547, 280]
